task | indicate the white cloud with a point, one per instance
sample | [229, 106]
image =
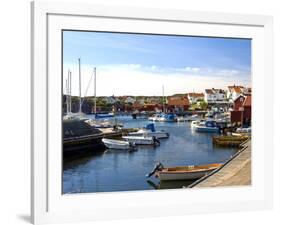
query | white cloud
[134, 79]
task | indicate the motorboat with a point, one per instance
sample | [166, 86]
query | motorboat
[206, 126]
[103, 123]
[149, 131]
[194, 123]
[142, 140]
[182, 119]
[118, 144]
[189, 172]
[242, 132]
[192, 118]
[155, 117]
[170, 117]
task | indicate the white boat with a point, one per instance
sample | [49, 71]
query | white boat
[116, 144]
[103, 123]
[183, 172]
[141, 140]
[192, 118]
[242, 132]
[149, 131]
[155, 117]
[182, 119]
[170, 117]
[194, 123]
[206, 126]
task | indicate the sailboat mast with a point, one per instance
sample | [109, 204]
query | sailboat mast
[69, 92]
[80, 105]
[163, 100]
[66, 96]
[95, 85]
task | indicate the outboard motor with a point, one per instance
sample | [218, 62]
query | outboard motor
[155, 140]
[157, 167]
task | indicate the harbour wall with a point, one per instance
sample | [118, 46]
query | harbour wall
[235, 172]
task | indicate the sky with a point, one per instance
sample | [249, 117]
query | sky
[138, 64]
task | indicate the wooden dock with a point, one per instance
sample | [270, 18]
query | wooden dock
[235, 172]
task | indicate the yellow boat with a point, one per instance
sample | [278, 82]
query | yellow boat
[229, 140]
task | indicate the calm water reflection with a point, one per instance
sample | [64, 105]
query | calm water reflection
[121, 170]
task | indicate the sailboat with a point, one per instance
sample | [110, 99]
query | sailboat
[69, 113]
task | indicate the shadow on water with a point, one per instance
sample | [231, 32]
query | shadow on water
[170, 184]
[74, 160]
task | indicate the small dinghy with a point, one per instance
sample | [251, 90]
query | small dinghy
[116, 144]
[190, 172]
[142, 140]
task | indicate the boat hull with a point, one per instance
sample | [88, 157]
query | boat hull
[114, 144]
[139, 140]
[206, 129]
[185, 172]
[150, 134]
[182, 175]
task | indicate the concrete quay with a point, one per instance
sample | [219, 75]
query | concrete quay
[235, 172]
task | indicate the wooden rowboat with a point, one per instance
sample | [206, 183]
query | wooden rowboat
[234, 141]
[184, 172]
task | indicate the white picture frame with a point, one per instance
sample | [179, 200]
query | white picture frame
[48, 204]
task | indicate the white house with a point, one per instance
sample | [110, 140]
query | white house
[195, 97]
[214, 95]
[234, 92]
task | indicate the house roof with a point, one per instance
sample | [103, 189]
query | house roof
[209, 91]
[196, 95]
[238, 89]
[235, 88]
[248, 101]
[178, 101]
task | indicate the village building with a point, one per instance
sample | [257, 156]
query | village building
[195, 97]
[234, 91]
[242, 110]
[214, 95]
[178, 104]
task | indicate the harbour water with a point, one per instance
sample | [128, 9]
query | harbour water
[120, 170]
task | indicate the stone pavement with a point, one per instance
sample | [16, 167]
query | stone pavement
[235, 172]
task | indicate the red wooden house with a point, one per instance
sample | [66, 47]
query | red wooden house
[242, 110]
[178, 104]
